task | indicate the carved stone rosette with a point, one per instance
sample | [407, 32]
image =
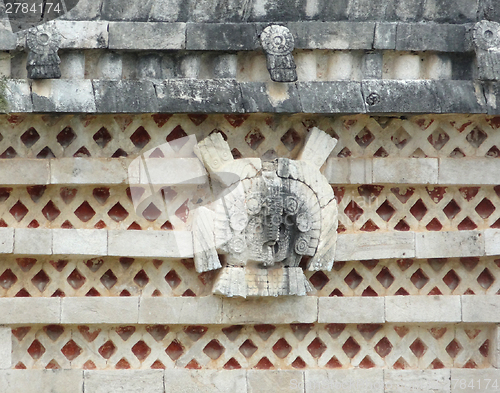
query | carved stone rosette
[273, 214]
[43, 43]
[277, 42]
[486, 38]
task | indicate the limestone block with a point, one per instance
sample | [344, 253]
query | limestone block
[349, 170]
[125, 96]
[439, 37]
[63, 95]
[180, 310]
[72, 64]
[260, 381]
[189, 66]
[84, 10]
[417, 381]
[8, 40]
[135, 10]
[385, 36]
[177, 244]
[407, 67]
[343, 97]
[492, 241]
[341, 65]
[226, 66]
[351, 310]
[164, 171]
[110, 66]
[6, 240]
[29, 310]
[423, 309]
[24, 172]
[124, 381]
[495, 347]
[375, 245]
[221, 36]
[405, 170]
[277, 310]
[80, 242]
[41, 381]
[449, 244]
[344, 381]
[469, 171]
[83, 35]
[114, 310]
[270, 97]
[437, 66]
[205, 381]
[372, 65]
[18, 97]
[33, 241]
[82, 170]
[5, 348]
[472, 381]
[481, 308]
[147, 36]
[149, 66]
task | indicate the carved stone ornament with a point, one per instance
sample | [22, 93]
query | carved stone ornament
[486, 38]
[43, 43]
[277, 42]
[273, 214]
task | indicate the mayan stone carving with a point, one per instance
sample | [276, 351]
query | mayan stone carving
[273, 214]
[486, 37]
[277, 42]
[43, 43]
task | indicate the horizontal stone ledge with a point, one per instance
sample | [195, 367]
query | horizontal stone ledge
[230, 96]
[410, 309]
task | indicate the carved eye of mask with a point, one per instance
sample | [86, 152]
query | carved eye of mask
[303, 222]
[301, 246]
[253, 205]
[291, 205]
[238, 221]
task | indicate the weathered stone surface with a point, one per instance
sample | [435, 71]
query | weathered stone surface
[333, 35]
[280, 310]
[221, 36]
[375, 245]
[431, 36]
[41, 381]
[492, 94]
[32, 310]
[372, 65]
[83, 35]
[205, 381]
[26, 171]
[8, 40]
[112, 310]
[423, 309]
[405, 170]
[340, 310]
[226, 66]
[349, 171]
[450, 244]
[343, 97]
[270, 97]
[267, 381]
[125, 96]
[477, 171]
[83, 170]
[133, 10]
[17, 96]
[84, 10]
[72, 64]
[480, 308]
[124, 381]
[418, 381]
[472, 381]
[149, 66]
[344, 381]
[492, 241]
[180, 310]
[203, 96]
[6, 240]
[5, 348]
[33, 241]
[63, 96]
[80, 242]
[385, 36]
[154, 36]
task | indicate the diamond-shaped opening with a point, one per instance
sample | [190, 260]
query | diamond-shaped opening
[401, 330]
[85, 212]
[418, 348]
[248, 348]
[53, 331]
[76, 279]
[457, 153]
[383, 347]
[122, 364]
[400, 364]
[71, 350]
[232, 332]
[453, 348]
[467, 225]
[68, 194]
[345, 152]
[9, 153]
[369, 291]
[316, 348]
[485, 279]
[402, 226]
[438, 139]
[434, 225]
[364, 138]
[174, 350]
[264, 364]
[173, 279]
[369, 226]
[21, 332]
[451, 209]
[82, 152]
[485, 208]
[118, 212]
[198, 118]
[40, 280]
[236, 120]
[451, 279]
[101, 194]
[195, 332]
[182, 213]
[213, 349]
[5, 193]
[381, 153]
[66, 137]
[419, 279]
[22, 293]
[368, 330]
[400, 138]
[353, 279]
[418, 210]
[36, 350]
[177, 133]
[351, 347]
[50, 211]
[158, 332]
[151, 213]
[107, 349]
[299, 363]
[30, 137]
[125, 332]
[254, 139]
[403, 194]
[484, 349]
[18, 211]
[386, 211]
[385, 277]
[141, 350]
[141, 278]
[333, 363]
[437, 333]
[264, 331]
[232, 364]
[468, 193]
[353, 211]
[436, 193]
[102, 137]
[7, 279]
[366, 363]
[476, 137]
[119, 153]
[140, 137]
[108, 279]
[36, 192]
[281, 348]
[469, 263]
[290, 139]
[319, 280]
[335, 329]
[494, 152]
[45, 153]
[26, 263]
